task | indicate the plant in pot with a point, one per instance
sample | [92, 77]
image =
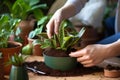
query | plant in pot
[8, 48]
[33, 38]
[18, 70]
[57, 49]
[23, 9]
[1, 67]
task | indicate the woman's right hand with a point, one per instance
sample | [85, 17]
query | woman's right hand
[53, 24]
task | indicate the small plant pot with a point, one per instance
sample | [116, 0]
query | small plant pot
[37, 51]
[18, 73]
[1, 69]
[60, 63]
[8, 52]
[111, 73]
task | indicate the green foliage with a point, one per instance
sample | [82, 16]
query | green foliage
[41, 26]
[27, 50]
[7, 27]
[16, 60]
[22, 8]
[64, 40]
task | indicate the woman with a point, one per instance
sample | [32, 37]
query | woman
[92, 54]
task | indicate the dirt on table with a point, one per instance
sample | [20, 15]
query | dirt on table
[37, 66]
[111, 67]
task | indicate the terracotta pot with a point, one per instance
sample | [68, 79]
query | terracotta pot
[30, 41]
[26, 27]
[1, 69]
[37, 51]
[60, 63]
[8, 52]
[85, 42]
[18, 73]
[111, 73]
[90, 36]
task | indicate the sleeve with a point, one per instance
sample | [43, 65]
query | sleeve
[117, 21]
[78, 4]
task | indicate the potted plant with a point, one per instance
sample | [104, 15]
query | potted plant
[33, 38]
[8, 48]
[57, 49]
[1, 67]
[18, 70]
[23, 9]
[112, 71]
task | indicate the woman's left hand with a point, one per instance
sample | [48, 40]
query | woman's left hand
[91, 55]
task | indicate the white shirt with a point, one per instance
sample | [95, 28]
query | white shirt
[79, 3]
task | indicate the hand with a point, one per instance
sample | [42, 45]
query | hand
[53, 24]
[91, 55]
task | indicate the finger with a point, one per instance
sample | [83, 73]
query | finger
[87, 62]
[79, 53]
[84, 58]
[50, 27]
[89, 65]
[57, 24]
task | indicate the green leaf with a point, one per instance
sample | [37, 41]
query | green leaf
[46, 44]
[81, 32]
[33, 2]
[17, 60]
[43, 6]
[38, 14]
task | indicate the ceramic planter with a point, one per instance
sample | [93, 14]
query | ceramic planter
[18, 73]
[60, 63]
[8, 52]
[111, 73]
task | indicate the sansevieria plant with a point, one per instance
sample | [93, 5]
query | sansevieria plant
[63, 42]
[18, 70]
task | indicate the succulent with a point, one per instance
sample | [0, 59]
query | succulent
[16, 60]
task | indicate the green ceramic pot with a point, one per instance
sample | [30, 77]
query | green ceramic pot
[60, 63]
[18, 73]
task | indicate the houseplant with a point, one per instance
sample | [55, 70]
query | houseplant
[8, 48]
[59, 46]
[18, 70]
[23, 9]
[33, 38]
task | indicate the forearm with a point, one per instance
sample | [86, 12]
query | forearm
[72, 7]
[114, 49]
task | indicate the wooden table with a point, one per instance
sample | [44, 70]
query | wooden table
[96, 76]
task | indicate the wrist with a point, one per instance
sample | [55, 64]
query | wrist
[113, 49]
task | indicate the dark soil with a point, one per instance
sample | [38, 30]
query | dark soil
[78, 71]
[110, 67]
[57, 53]
[10, 45]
